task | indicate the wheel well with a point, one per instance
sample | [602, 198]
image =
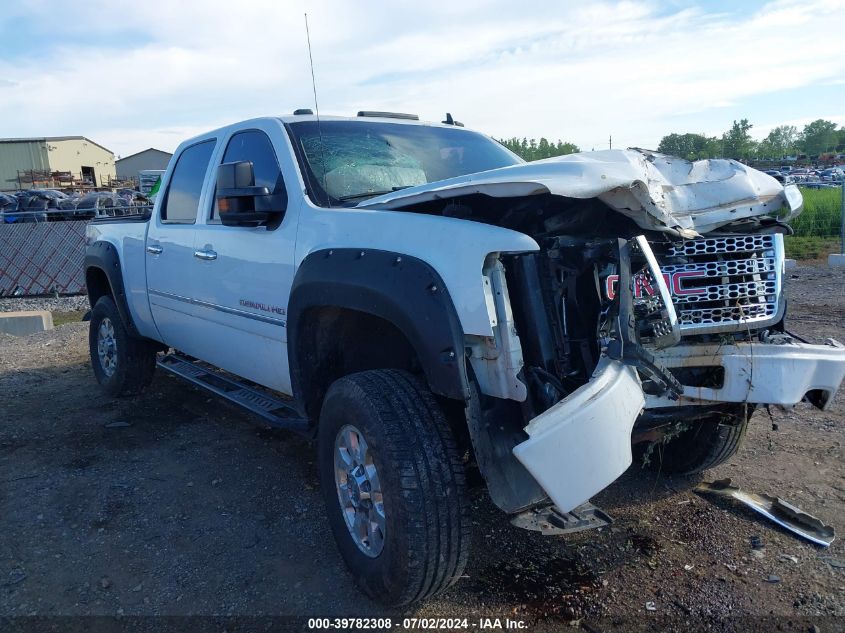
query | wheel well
[98, 285]
[334, 342]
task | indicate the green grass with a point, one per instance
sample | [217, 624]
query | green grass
[817, 228]
[60, 318]
[821, 215]
[798, 247]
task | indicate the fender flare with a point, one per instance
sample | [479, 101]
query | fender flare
[103, 255]
[403, 290]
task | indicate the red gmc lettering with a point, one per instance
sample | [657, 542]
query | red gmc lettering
[643, 287]
[689, 274]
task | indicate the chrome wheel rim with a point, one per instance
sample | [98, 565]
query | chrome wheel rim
[107, 347]
[359, 491]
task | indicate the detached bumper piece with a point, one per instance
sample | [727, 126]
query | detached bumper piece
[583, 443]
[759, 373]
[784, 514]
[550, 521]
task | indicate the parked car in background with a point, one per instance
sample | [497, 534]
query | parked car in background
[42, 205]
[784, 179]
[831, 174]
[131, 199]
[34, 204]
[8, 208]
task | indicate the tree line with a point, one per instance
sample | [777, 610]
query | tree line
[816, 139]
[532, 149]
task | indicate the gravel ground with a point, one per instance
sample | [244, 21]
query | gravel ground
[174, 503]
[53, 304]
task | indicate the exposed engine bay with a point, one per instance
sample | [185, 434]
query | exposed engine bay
[654, 303]
[564, 300]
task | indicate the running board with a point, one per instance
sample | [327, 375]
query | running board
[550, 521]
[274, 411]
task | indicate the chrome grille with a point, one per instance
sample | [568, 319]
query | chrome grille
[724, 284]
[727, 244]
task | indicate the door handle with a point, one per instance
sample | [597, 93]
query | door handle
[154, 249]
[208, 255]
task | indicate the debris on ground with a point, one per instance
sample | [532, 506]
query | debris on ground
[836, 564]
[784, 514]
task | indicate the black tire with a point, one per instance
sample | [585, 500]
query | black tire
[134, 359]
[709, 441]
[426, 539]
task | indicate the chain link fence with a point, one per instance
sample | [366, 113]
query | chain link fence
[820, 229]
[42, 252]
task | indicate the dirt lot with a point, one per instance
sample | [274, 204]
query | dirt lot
[174, 503]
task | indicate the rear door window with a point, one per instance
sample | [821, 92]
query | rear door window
[181, 203]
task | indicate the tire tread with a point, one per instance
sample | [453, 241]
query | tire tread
[420, 445]
[710, 443]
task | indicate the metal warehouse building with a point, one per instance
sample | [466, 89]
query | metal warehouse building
[54, 161]
[129, 166]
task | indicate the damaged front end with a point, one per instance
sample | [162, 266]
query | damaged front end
[655, 301]
[582, 443]
[673, 341]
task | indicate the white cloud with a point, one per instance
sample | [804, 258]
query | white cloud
[149, 73]
[761, 131]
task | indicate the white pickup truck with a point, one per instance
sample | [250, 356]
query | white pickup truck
[428, 306]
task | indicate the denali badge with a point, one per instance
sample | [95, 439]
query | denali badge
[246, 303]
[643, 287]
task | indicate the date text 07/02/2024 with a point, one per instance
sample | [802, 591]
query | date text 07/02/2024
[416, 623]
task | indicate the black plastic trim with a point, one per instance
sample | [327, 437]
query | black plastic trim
[103, 256]
[403, 290]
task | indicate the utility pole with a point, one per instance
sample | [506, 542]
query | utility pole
[842, 219]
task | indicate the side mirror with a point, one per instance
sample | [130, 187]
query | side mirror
[240, 202]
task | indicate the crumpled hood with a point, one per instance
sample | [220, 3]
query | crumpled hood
[657, 191]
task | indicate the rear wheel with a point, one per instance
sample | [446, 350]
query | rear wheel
[394, 486]
[123, 365]
[708, 442]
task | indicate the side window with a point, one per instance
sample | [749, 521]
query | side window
[254, 146]
[183, 193]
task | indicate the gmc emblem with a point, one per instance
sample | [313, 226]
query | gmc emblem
[643, 287]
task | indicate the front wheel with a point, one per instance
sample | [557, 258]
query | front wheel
[394, 486]
[123, 365]
[706, 443]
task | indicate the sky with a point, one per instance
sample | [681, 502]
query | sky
[151, 73]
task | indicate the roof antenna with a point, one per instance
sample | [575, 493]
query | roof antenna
[317, 110]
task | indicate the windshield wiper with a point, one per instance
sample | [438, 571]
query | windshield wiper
[373, 194]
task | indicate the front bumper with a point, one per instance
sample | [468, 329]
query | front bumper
[583, 443]
[759, 373]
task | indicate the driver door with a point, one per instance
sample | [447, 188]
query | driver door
[243, 274]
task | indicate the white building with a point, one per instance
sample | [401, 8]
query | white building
[129, 166]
